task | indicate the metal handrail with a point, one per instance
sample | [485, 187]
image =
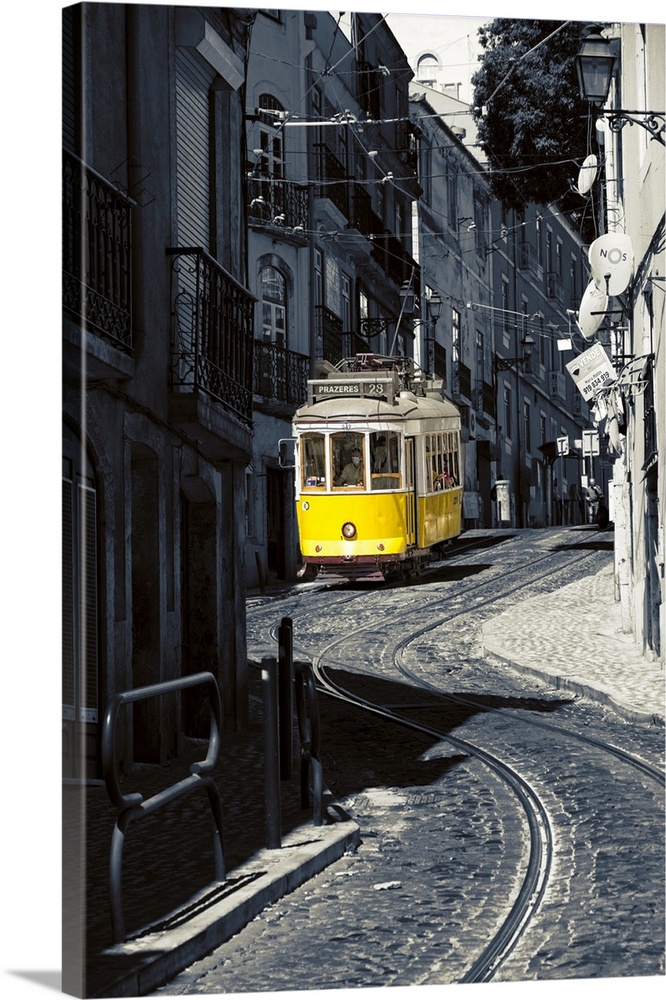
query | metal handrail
[307, 711]
[133, 805]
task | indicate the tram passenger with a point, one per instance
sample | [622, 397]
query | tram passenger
[380, 455]
[352, 474]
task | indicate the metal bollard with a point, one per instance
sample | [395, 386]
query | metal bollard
[271, 753]
[307, 711]
[285, 689]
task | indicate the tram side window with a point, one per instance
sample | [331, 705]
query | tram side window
[385, 460]
[348, 460]
[313, 460]
[452, 458]
[442, 460]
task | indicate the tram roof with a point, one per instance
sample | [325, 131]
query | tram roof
[406, 405]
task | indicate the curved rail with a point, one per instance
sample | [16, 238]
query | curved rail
[541, 837]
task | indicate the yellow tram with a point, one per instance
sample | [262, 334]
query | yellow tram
[378, 469]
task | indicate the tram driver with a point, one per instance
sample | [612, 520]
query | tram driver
[352, 474]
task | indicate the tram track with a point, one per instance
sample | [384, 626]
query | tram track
[535, 815]
[337, 596]
[540, 833]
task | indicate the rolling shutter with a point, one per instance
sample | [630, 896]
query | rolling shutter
[193, 81]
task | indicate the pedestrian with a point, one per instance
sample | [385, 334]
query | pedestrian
[603, 514]
[379, 457]
[593, 496]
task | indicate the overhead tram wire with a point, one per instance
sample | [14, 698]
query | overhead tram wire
[281, 124]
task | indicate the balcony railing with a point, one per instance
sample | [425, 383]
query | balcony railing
[96, 253]
[212, 338]
[279, 374]
[277, 201]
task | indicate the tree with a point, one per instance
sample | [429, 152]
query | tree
[532, 122]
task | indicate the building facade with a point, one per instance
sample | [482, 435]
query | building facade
[539, 271]
[331, 176]
[157, 369]
[454, 323]
[508, 282]
[631, 410]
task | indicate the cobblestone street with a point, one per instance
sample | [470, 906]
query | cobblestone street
[444, 847]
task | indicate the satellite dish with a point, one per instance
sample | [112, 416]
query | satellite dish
[593, 307]
[587, 174]
[612, 262]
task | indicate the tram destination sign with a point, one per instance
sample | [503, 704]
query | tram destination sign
[368, 387]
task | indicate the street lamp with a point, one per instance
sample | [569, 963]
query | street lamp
[504, 364]
[433, 312]
[434, 307]
[595, 64]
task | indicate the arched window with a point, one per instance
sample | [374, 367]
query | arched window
[273, 306]
[427, 69]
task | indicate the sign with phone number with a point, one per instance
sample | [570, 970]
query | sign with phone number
[591, 370]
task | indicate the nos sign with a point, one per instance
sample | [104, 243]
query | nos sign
[612, 261]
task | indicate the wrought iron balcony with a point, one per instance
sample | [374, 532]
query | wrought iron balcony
[96, 253]
[275, 201]
[279, 374]
[212, 336]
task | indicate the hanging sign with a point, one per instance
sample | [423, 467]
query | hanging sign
[593, 306]
[587, 174]
[591, 370]
[612, 262]
[590, 443]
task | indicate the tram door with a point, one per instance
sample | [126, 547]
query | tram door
[411, 506]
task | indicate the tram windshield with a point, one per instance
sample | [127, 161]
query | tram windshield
[385, 460]
[348, 458]
[358, 461]
[313, 460]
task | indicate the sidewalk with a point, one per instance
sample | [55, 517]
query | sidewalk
[572, 639]
[173, 910]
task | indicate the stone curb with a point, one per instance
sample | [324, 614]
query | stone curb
[157, 956]
[578, 687]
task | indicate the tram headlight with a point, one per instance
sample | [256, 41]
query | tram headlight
[348, 530]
